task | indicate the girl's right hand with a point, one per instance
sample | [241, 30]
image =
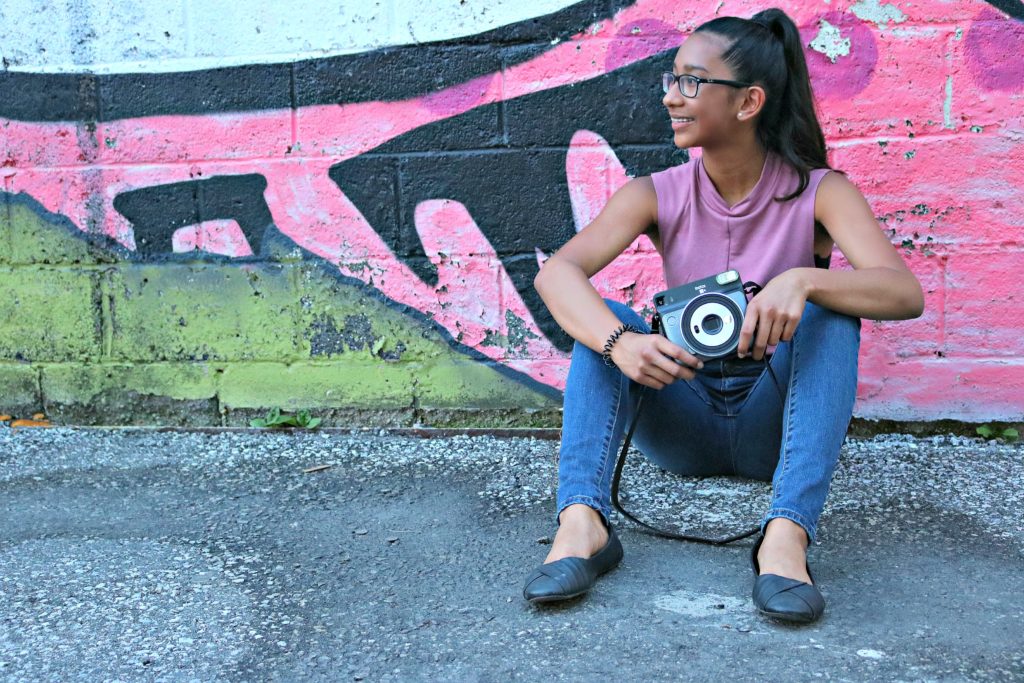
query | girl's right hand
[648, 360]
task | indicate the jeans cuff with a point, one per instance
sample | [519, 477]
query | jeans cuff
[808, 526]
[586, 500]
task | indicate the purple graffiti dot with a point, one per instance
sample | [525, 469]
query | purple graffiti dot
[994, 45]
[638, 40]
[458, 98]
[850, 73]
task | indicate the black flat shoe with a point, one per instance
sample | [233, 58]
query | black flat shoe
[571, 576]
[787, 599]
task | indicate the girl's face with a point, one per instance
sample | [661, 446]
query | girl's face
[710, 118]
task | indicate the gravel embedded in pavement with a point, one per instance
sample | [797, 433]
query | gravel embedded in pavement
[134, 553]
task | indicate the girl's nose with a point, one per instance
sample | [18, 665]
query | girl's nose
[671, 97]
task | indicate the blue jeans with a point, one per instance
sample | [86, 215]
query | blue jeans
[728, 420]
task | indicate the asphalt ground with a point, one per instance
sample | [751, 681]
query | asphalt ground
[133, 554]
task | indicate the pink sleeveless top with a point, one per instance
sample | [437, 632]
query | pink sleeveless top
[759, 237]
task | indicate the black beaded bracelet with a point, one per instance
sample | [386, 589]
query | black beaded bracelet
[614, 337]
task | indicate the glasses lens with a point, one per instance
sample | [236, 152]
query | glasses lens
[689, 84]
[667, 80]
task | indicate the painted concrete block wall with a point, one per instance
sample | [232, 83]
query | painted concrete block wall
[210, 209]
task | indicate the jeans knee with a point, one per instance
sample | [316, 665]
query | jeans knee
[582, 354]
[626, 314]
[835, 322]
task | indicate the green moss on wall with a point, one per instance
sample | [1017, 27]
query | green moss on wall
[107, 339]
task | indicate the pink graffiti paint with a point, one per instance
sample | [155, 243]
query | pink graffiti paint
[638, 40]
[921, 389]
[469, 272]
[223, 237]
[995, 51]
[589, 165]
[593, 173]
[462, 97]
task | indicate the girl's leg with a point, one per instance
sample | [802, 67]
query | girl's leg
[800, 439]
[677, 429]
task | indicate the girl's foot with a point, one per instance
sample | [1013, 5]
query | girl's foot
[583, 549]
[581, 533]
[781, 597]
[784, 550]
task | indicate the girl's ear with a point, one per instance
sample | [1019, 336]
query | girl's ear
[752, 104]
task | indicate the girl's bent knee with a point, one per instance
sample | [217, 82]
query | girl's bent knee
[626, 314]
[819, 316]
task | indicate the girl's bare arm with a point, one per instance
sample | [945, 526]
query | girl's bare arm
[880, 287]
[564, 284]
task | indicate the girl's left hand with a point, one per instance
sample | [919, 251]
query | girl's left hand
[773, 314]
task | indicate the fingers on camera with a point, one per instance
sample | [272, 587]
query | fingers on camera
[678, 371]
[664, 375]
[689, 363]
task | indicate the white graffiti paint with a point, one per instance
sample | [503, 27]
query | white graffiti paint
[117, 36]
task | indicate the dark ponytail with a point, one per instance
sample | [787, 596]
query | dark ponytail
[767, 50]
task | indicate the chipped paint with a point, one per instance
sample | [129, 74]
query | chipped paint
[873, 10]
[519, 333]
[830, 42]
[947, 105]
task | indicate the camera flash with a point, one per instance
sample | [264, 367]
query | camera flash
[727, 277]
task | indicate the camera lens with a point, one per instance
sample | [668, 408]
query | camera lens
[711, 323]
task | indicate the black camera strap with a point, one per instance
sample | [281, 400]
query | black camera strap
[647, 528]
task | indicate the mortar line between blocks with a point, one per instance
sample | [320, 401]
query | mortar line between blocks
[106, 317]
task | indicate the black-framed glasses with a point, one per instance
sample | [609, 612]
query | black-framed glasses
[689, 84]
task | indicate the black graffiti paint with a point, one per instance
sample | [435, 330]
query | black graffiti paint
[514, 183]
[1011, 8]
[387, 74]
[156, 212]
[399, 73]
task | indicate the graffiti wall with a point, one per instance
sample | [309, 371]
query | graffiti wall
[209, 212]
